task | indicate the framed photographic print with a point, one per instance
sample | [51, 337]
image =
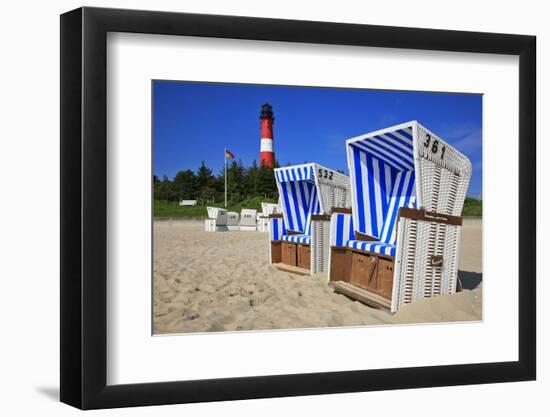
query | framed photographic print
[258, 208]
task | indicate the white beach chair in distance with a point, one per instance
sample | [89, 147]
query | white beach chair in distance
[248, 220]
[232, 221]
[299, 236]
[269, 208]
[217, 220]
[400, 242]
[262, 223]
[262, 219]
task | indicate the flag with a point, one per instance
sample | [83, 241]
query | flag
[229, 155]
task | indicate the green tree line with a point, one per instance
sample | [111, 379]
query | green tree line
[250, 185]
[242, 183]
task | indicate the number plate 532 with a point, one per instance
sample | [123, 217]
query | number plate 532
[325, 173]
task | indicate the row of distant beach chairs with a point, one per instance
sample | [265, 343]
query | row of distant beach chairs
[249, 220]
[389, 233]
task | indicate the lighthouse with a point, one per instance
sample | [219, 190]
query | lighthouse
[267, 155]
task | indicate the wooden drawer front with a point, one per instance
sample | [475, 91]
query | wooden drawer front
[304, 256]
[340, 264]
[288, 253]
[363, 269]
[385, 278]
[275, 252]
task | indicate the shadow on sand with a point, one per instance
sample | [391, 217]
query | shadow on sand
[470, 280]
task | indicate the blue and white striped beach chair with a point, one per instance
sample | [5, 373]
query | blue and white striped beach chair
[299, 236]
[400, 241]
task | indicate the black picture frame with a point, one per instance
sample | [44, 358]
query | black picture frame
[84, 207]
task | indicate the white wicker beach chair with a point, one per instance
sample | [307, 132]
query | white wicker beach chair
[248, 220]
[232, 221]
[269, 208]
[262, 222]
[400, 242]
[217, 220]
[262, 219]
[299, 236]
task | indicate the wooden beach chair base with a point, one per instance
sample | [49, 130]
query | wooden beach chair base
[359, 294]
[303, 256]
[291, 257]
[289, 254]
[292, 269]
[364, 276]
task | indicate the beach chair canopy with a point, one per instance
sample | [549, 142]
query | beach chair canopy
[299, 194]
[306, 190]
[383, 180]
[218, 214]
[385, 176]
[269, 208]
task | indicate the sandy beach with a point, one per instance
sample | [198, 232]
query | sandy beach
[204, 282]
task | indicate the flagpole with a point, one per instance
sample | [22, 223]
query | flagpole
[225, 172]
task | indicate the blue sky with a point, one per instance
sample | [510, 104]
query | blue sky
[193, 122]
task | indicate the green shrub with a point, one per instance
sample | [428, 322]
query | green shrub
[163, 208]
[472, 207]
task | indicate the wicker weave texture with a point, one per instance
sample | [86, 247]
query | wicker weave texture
[415, 277]
[334, 192]
[262, 224]
[320, 245]
[442, 174]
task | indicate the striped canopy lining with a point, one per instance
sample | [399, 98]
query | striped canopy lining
[300, 202]
[297, 173]
[383, 178]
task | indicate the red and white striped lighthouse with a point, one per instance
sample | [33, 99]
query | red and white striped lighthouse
[267, 154]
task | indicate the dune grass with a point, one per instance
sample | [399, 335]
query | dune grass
[165, 209]
[472, 207]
